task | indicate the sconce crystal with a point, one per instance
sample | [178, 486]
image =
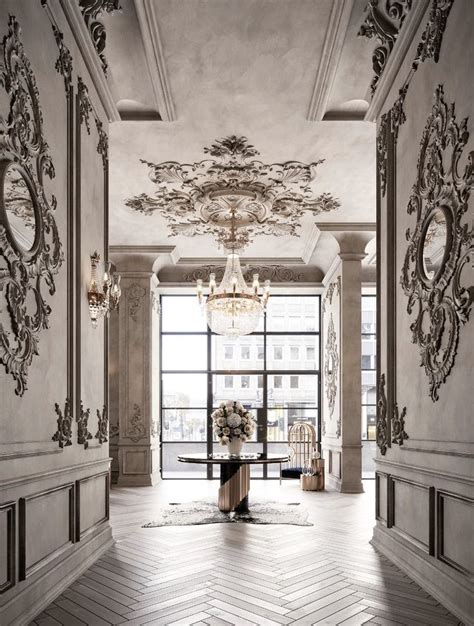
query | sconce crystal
[103, 295]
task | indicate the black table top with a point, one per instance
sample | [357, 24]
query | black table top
[227, 458]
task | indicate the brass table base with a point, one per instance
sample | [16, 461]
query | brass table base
[235, 486]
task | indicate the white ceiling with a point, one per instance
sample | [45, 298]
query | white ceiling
[244, 67]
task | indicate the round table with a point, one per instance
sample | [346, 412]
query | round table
[234, 474]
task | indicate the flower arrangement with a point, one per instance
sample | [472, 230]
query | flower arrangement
[232, 421]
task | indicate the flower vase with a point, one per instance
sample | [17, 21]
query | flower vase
[234, 446]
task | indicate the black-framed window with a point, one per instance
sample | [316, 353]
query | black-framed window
[369, 366]
[274, 372]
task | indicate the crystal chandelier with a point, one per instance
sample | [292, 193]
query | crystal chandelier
[233, 308]
[102, 295]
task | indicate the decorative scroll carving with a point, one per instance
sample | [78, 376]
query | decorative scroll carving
[103, 425]
[269, 199]
[383, 23]
[331, 366]
[155, 302]
[114, 431]
[85, 111]
[135, 294]
[155, 431]
[90, 10]
[432, 37]
[275, 273]
[83, 434]
[398, 426]
[442, 303]
[64, 433]
[334, 287]
[103, 143]
[136, 428]
[25, 273]
[63, 64]
[382, 434]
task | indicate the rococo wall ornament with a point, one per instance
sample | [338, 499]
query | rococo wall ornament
[331, 366]
[30, 248]
[435, 274]
[267, 199]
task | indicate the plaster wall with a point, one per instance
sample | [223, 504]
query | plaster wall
[53, 500]
[425, 494]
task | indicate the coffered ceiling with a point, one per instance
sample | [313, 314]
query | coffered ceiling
[290, 75]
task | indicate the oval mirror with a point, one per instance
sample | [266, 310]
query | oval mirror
[19, 206]
[434, 244]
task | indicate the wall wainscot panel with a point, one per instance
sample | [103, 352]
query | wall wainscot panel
[92, 503]
[455, 514]
[381, 496]
[411, 512]
[7, 545]
[56, 531]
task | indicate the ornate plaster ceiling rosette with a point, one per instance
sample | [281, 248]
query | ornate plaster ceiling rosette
[199, 198]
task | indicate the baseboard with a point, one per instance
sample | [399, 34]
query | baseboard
[450, 589]
[31, 601]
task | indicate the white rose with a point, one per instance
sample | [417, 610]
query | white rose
[226, 430]
[239, 406]
[237, 431]
[248, 429]
[220, 421]
[234, 420]
[229, 404]
[243, 438]
[222, 405]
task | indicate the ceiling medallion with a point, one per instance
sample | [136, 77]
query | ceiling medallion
[205, 197]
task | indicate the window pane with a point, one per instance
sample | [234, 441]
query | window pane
[184, 390]
[369, 387]
[293, 313]
[182, 313]
[260, 352]
[306, 394]
[279, 421]
[239, 353]
[172, 468]
[294, 382]
[187, 352]
[184, 425]
[282, 351]
[369, 419]
[369, 314]
[245, 389]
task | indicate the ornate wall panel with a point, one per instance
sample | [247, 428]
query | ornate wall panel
[8, 544]
[30, 247]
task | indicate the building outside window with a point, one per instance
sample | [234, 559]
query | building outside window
[278, 353]
[229, 382]
[310, 353]
[245, 352]
[294, 353]
[294, 382]
[228, 352]
[278, 382]
[245, 382]
[260, 381]
[260, 353]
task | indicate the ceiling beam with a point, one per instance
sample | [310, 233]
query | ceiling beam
[331, 53]
[149, 28]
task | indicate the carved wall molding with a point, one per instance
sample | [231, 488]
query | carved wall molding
[26, 272]
[441, 302]
[103, 425]
[275, 273]
[135, 295]
[331, 366]
[136, 429]
[382, 429]
[383, 22]
[432, 36]
[334, 288]
[86, 110]
[398, 425]
[196, 198]
[64, 65]
[114, 431]
[91, 10]
[63, 435]
[83, 434]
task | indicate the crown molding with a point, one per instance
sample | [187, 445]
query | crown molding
[346, 227]
[150, 32]
[86, 47]
[331, 53]
[311, 244]
[336, 263]
[126, 249]
[220, 260]
[396, 58]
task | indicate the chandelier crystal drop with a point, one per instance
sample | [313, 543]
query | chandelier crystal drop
[232, 308]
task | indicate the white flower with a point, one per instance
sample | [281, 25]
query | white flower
[226, 431]
[239, 406]
[222, 405]
[237, 431]
[248, 429]
[234, 420]
[224, 440]
[229, 404]
[243, 438]
[220, 421]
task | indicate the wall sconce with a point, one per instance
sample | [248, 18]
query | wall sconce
[103, 296]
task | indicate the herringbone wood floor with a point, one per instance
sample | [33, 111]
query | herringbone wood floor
[241, 574]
